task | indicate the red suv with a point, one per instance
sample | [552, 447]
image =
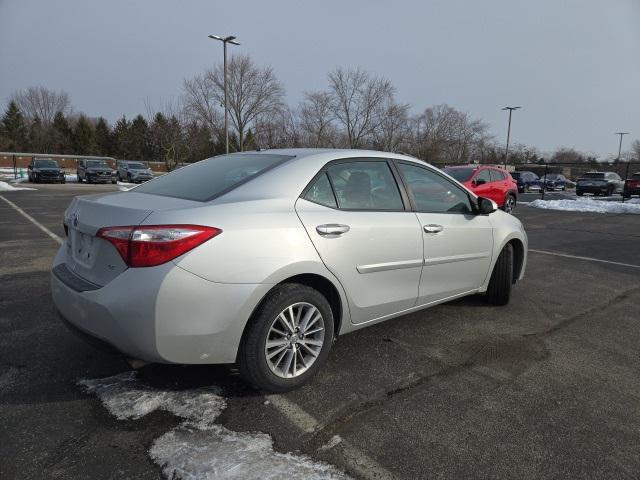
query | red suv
[631, 185]
[489, 182]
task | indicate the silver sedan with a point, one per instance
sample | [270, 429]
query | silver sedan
[262, 258]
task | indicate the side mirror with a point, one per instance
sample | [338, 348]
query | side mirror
[486, 206]
[479, 181]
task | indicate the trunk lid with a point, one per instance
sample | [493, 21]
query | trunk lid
[95, 259]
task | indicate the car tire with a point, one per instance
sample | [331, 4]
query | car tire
[113, 182]
[129, 178]
[579, 193]
[64, 180]
[252, 358]
[499, 290]
[79, 179]
[610, 191]
[509, 203]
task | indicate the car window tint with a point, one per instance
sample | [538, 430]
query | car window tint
[210, 178]
[365, 186]
[483, 175]
[321, 192]
[434, 193]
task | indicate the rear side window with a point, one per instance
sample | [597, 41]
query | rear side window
[320, 192]
[497, 175]
[213, 177]
[365, 186]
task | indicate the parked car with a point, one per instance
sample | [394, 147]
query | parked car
[489, 182]
[554, 181]
[95, 171]
[263, 258]
[599, 183]
[45, 170]
[133, 172]
[631, 185]
[526, 181]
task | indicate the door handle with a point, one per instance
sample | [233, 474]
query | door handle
[433, 228]
[334, 229]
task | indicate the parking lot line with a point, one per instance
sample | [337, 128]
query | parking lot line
[32, 220]
[361, 463]
[588, 259]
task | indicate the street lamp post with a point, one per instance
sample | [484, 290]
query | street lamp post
[225, 40]
[620, 146]
[506, 153]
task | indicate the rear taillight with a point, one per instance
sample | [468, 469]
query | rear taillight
[148, 246]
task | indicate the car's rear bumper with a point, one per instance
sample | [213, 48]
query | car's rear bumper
[161, 314]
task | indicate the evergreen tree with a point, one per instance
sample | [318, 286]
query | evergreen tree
[103, 138]
[83, 137]
[39, 136]
[62, 134]
[122, 138]
[139, 137]
[14, 128]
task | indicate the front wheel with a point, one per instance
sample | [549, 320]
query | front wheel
[499, 290]
[509, 203]
[288, 338]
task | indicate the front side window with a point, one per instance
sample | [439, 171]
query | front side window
[434, 193]
[365, 186]
[483, 175]
[320, 192]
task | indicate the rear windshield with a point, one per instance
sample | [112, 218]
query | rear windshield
[593, 175]
[460, 174]
[515, 175]
[635, 175]
[45, 163]
[213, 177]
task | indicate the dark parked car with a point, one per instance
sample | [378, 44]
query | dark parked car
[526, 181]
[45, 170]
[631, 185]
[554, 181]
[599, 183]
[134, 172]
[95, 171]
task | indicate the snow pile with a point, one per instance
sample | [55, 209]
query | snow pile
[198, 448]
[588, 205]
[5, 187]
[124, 186]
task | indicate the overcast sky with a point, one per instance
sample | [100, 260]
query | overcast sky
[573, 65]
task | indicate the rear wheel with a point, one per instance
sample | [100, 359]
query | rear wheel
[288, 338]
[579, 193]
[609, 191]
[499, 290]
[79, 179]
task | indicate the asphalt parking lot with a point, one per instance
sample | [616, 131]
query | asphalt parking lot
[546, 387]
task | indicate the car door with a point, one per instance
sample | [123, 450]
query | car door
[458, 244]
[500, 186]
[363, 229]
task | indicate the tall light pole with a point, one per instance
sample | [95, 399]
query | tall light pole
[230, 39]
[506, 153]
[620, 146]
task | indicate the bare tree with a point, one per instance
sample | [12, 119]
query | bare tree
[635, 150]
[358, 101]
[201, 102]
[394, 130]
[444, 134]
[316, 120]
[254, 93]
[279, 129]
[40, 102]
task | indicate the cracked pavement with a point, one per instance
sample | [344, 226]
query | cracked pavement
[545, 387]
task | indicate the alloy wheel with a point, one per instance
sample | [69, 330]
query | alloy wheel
[295, 340]
[509, 204]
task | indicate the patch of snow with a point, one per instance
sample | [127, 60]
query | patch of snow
[588, 205]
[198, 448]
[5, 187]
[125, 186]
